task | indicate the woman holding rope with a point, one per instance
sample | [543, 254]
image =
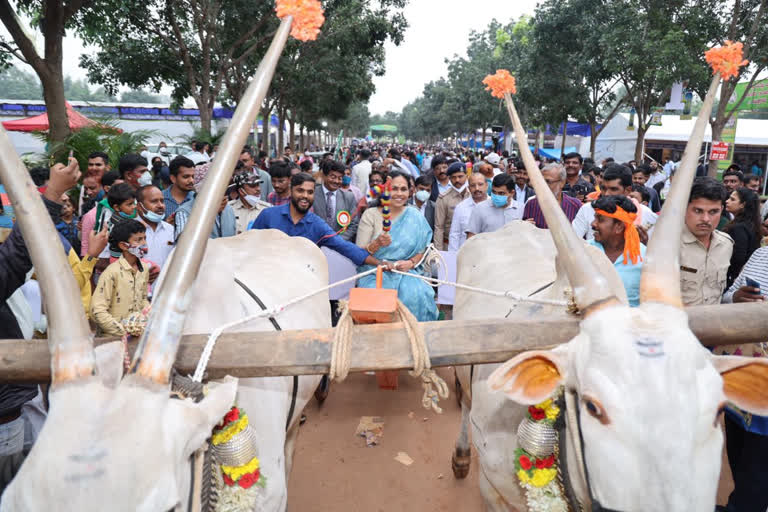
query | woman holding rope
[401, 234]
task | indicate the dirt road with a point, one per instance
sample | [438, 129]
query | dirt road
[334, 471]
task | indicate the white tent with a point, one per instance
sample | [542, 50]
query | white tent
[618, 142]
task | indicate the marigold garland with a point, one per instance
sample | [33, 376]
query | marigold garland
[235, 472]
[727, 60]
[538, 471]
[500, 83]
[230, 430]
[307, 17]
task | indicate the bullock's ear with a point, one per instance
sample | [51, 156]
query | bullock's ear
[198, 419]
[745, 381]
[531, 377]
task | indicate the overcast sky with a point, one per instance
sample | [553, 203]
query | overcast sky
[438, 29]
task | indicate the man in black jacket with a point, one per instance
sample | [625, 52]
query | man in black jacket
[15, 263]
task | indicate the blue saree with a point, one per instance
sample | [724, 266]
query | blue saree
[411, 235]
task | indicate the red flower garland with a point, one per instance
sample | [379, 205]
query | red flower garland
[536, 413]
[525, 462]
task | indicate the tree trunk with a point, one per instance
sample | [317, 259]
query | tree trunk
[292, 134]
[639, 144]
[206, 115]
[565, 134]
[56, 106]
[280, 132]
[592, 139]
[265, 122]
[301, 138]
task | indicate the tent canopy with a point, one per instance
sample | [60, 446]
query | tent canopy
[40, 123]
[555, 154]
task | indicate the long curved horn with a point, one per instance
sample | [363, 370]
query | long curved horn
[590, 288]
[69, 337]
[157, 349]
[660, 281]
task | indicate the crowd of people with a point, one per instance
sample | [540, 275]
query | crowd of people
[119, 223]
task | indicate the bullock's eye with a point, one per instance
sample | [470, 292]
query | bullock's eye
[596, 410]
[719, 415]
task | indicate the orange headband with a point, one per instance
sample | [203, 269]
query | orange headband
[631, 237]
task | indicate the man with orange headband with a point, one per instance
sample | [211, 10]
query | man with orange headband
[616, 235]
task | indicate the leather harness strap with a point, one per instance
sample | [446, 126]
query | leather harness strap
[277, 327]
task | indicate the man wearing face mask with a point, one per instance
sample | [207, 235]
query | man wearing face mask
[463, 211]
[502, 209]
[248, 204]
[159, 234]
[422, 201]
[133, 167]
[447, 202]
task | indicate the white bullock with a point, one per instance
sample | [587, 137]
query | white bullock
[123, 445]
[645, 396]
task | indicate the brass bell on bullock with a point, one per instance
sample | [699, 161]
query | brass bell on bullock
[375, 306]
[537, 437]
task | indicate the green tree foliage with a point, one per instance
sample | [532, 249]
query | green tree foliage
[665, 45]
[52, 19]
[17, 84]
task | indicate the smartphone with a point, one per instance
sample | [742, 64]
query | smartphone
[100, 224]
[754, 284]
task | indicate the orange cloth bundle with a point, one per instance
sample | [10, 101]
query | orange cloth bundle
[500, 83]
[307, 17]
[631, 236]
[727, 60]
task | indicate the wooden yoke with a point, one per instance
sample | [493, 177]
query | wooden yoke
[375, 306]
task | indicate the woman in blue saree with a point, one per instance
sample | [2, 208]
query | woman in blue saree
[404, 245]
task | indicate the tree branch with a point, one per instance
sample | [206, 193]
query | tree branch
[13, 51]
[25, 45]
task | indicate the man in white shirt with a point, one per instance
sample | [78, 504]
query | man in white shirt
[160, 238]
[491, 215]
[659, 176]
[617, 181]
[198, 156]
[463, 212]
[362, 169]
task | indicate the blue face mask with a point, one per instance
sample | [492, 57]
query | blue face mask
[346, 180]
[153, 217]
[126, 216]
[499, 201]
[489, 181]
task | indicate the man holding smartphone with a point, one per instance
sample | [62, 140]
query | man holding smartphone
[747, 434]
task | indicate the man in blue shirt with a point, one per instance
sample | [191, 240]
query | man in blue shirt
[295, 219]
[616, 235]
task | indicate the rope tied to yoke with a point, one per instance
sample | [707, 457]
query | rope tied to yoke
[433, 385]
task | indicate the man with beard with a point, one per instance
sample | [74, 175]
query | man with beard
[523, 191]
[461, 215]
[295, 219]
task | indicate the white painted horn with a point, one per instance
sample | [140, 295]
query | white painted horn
[69, 337]
[590, 288]
[157, 349]
[660, 281]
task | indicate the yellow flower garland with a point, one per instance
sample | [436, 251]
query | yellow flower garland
[235, 472]
[230, 432]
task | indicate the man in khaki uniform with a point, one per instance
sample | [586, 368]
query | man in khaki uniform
[447, 203]
[705, 253]
[248, 204]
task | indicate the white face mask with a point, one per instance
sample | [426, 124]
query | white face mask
[252, 200]
[145, 179]
[422, 195]
[460, 190]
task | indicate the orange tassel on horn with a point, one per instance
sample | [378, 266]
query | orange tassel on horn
[727, 60]
[307, 17]
[500, 83]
